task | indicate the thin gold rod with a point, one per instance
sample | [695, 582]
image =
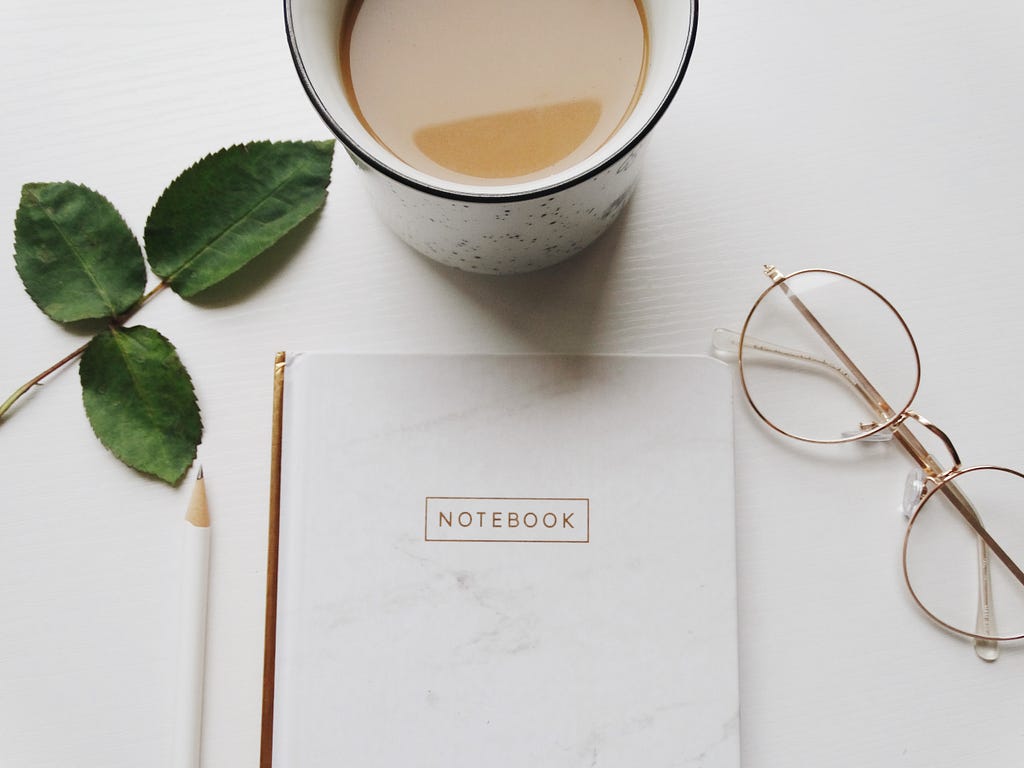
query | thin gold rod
[273, 545]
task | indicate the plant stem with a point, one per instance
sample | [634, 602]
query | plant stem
[117, 322]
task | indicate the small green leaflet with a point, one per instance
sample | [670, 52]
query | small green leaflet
[78, 260]
[140, 401]
[75, 254]
[231, 206]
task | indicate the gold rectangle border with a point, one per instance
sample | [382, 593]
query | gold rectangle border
[426, 522]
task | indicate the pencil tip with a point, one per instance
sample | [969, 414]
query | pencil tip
[197, 513]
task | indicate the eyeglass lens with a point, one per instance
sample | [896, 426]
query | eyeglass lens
[942, 552]
[810, 344]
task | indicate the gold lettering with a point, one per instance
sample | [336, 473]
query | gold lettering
[491, 516]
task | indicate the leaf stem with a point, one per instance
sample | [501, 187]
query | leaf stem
[116, 322]
[121, 320]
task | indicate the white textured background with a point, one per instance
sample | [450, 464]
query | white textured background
[880, 138]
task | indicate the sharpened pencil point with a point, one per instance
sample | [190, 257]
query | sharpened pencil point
[197, 512]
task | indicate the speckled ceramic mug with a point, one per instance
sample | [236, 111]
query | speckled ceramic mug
[494, 229]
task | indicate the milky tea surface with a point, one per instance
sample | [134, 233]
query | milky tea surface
[493, 92]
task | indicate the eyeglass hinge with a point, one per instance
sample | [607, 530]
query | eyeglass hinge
[773, 273]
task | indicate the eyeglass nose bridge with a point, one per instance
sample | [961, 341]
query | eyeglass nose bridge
[919, 452]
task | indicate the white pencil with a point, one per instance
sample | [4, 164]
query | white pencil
[192, 630]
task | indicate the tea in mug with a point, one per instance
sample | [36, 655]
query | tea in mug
[493, 91]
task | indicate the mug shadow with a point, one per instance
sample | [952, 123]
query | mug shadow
[556, 309]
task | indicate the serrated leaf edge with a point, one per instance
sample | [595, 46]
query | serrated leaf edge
[169, 279]
[112, 313]
[195, 401]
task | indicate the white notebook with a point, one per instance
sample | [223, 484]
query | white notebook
[501, 562]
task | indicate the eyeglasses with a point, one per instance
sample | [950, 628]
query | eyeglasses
[825, 358]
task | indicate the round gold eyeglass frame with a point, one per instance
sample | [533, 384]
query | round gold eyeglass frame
[888, 415]
[937, 479]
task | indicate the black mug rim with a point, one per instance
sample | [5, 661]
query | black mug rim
[437, 191]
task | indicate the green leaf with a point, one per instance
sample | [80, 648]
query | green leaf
[140, 401]
[75, 254]
[231, 206]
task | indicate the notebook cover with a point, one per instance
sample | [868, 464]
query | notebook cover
[501, 560]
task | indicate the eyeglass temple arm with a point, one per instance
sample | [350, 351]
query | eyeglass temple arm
[986, 648]
[728, 341]
[913, 446]
[867, 390]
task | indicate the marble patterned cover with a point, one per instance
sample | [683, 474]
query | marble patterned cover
[617, 648]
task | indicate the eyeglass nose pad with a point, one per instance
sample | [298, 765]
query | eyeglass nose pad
[913, 491]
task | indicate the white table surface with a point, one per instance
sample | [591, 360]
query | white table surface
[880, 138]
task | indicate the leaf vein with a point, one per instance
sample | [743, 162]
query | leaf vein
[104, 296]
[148, 406]
[210, 244]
